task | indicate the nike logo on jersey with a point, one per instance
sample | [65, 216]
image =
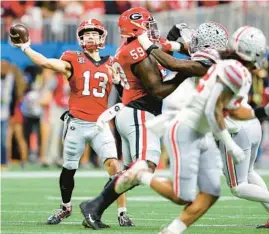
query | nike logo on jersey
[90, 218]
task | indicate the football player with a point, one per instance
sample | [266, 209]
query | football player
[192, 155]
[241, 178]
[143, 92]
[90, 81]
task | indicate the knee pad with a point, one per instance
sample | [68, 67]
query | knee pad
[71, 165]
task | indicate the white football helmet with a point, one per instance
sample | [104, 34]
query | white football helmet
[209, 35]
[250, 44]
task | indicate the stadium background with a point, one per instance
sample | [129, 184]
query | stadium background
[52, 27]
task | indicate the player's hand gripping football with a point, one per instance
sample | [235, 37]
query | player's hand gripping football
[19, 36]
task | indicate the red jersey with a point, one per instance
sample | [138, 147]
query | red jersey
[126, 56]
[90, 85]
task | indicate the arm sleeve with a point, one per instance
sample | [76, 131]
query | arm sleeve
[210, 107]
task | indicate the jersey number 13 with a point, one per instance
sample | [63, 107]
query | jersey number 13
[96, 92]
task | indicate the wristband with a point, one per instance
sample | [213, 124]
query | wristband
[144, 41]
[176, 46]
[152, 47]
[24, 47]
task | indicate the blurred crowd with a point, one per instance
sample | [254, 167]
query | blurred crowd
[32, 102]
[35, 13]
[82, 9]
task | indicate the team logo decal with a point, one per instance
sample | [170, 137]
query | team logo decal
[117, 108]
[72, 128]
[135, 16]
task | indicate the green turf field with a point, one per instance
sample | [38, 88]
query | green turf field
[27, 203]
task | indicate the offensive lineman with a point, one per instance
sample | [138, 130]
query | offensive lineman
[143, 91]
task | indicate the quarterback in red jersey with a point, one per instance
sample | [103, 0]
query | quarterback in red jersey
[90, 81]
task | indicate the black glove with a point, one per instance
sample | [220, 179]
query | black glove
[173, 34]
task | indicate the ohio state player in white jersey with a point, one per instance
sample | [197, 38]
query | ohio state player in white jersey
[243, 180]
[222, 88]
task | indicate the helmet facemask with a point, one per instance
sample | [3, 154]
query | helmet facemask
[94, 42]
[153, 32]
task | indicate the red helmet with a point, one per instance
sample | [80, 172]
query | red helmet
[136, 19]
[92, 25]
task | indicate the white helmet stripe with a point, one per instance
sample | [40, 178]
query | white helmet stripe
[240, 33]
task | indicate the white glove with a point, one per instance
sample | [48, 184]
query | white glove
[236, 153]
[144, 40]
[185, 32]
[233, 149]
[23, 46]
[108, 115]
[181, 26]
[114, 74]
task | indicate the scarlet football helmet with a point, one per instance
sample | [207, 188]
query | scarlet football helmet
[92, 25]
[135, 20]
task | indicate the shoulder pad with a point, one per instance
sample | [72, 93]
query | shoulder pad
[207, 56]
[134, 52]
[235, 76]
[70, 55]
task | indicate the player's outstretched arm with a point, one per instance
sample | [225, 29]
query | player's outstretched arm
[148, 72]
[186, 66]
[19, 36]
[242, 113]
[57, 65]
[218, 99]
[247, 113]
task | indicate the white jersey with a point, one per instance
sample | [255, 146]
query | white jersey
[177, 99]
[234, 125]
[233, 74]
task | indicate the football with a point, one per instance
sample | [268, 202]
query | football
[18, 34]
